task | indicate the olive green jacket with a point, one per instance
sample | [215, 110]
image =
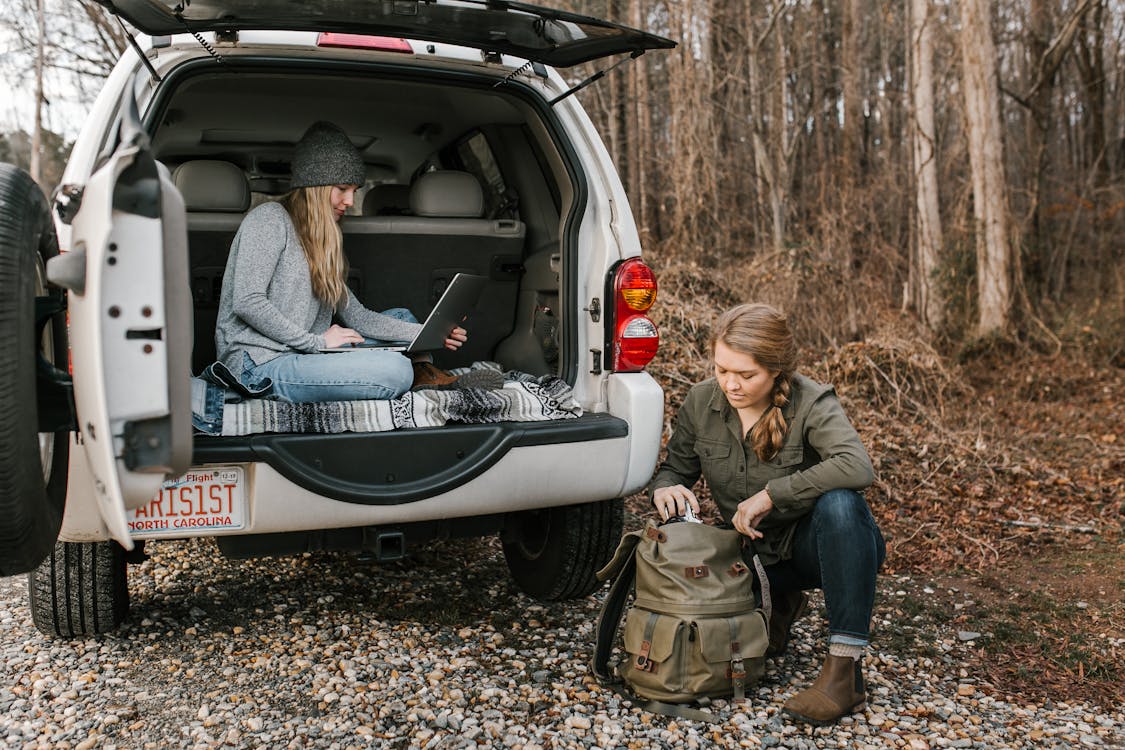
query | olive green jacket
[822, 452]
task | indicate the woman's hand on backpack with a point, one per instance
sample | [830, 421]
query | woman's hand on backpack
[455, 338]
[672, 501]
[337, 336]
[750, 513]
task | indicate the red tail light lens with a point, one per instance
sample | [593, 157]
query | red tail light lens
[635, 337]
[636, 284]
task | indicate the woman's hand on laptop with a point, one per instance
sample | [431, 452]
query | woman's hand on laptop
[337, 336]
[455, 338]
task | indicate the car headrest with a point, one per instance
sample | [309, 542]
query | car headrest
[447, 194]
[211, 185]
[387, 200]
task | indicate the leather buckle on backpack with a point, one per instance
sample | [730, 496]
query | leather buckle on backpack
[738, 569]
[656, 534]
[643, 663]
[697, 571]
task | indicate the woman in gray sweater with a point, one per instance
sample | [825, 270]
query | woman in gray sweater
[285, 280]
[785, 467]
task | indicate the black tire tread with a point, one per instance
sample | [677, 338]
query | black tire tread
[582, 539]
[79, 590]
[30, 509]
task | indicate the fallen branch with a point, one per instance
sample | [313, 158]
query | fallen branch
[1083, 529]
[918, 531]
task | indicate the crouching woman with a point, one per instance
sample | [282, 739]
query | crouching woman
[785, 466]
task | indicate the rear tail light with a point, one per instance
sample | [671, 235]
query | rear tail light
[634, 337]
[363, 41]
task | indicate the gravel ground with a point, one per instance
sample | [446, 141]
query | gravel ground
[440, 651]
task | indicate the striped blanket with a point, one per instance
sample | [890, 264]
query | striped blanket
[524, 398]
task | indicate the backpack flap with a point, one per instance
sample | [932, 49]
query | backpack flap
[734, 647]
[651, 639]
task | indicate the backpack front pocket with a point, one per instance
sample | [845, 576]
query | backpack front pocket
[655, 646]
[729, 653]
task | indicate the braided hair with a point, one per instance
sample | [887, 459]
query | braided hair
[763, 332]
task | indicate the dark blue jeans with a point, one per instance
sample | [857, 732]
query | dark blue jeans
[839, 549]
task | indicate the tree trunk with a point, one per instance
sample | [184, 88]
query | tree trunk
[35, 163]
[923, 273]
[850, 67]
[640, 146]
[986, 159]
[1092, 68]
[767, 130]
[1039, 122]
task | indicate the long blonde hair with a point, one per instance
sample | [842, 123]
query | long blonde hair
[319, 232]
[763, 332]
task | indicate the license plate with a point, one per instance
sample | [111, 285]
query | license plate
[200, 502]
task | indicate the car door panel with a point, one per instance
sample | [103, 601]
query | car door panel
[130, 329]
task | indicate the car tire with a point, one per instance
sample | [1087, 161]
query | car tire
[79, 590]
[33, 465]
[554, 554]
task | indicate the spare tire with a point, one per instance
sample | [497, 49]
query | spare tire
[33, 465]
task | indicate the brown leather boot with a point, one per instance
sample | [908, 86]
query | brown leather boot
[838, 691]
[788, 607]
[427, 374]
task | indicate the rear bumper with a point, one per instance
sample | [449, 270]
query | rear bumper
[308, 482]
[394, 468]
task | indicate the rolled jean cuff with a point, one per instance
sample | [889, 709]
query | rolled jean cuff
[847, 640]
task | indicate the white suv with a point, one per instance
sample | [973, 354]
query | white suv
[197, 124]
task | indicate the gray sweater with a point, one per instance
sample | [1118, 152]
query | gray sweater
[267, 307]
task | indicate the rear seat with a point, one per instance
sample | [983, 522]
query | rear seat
[387, 200]
[406, 261]
[216, 195]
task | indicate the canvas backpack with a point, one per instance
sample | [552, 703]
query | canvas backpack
[694, 630]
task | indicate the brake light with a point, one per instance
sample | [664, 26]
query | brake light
[363, 41]
[635, 337]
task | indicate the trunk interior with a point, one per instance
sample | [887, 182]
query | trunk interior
[496, 207]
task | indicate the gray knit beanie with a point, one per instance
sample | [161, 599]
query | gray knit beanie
[325, 156]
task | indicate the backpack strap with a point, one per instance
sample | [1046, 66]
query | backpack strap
[609, 620]
[737, 666]
[676, 710]
[764, 587]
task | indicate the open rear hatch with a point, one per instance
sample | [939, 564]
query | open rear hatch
[553, 37]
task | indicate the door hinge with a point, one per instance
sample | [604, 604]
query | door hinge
[68, 199]
[595, 309]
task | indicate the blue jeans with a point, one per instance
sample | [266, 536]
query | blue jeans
[344, 376]
[839, 549]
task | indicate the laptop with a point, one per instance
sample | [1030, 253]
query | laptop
[456, 302]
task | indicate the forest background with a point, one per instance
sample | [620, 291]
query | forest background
[933, 191]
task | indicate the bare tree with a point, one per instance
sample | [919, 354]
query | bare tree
[851, 63]
[37, 134]
[924, 262]
[774, 145]
[80, 44]
[986, 157]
